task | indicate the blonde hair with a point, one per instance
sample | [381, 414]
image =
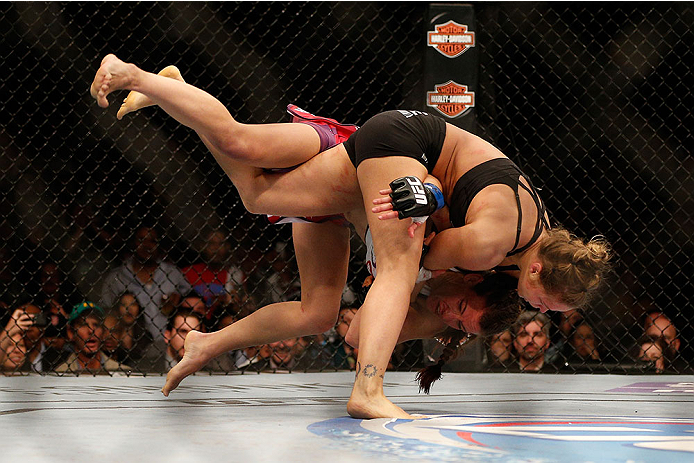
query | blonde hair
[573, 270]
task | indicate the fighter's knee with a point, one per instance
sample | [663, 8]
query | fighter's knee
[251, 203]
[233, 146]
[320, 320]
[237, 142]
[324, 323]
[352, 339]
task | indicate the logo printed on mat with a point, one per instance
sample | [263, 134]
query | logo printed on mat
[507, 439]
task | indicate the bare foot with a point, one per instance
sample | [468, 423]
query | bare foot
[195, 358]
[136, 100]
[113, 75]
[375, 407]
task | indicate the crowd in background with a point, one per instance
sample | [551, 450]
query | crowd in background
[147, 306]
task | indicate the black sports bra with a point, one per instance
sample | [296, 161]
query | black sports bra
[493, 172]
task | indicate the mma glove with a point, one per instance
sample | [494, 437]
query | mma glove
[412, 198]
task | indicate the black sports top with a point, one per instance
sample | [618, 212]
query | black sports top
[493, 172]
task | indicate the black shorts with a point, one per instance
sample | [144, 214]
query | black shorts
[414, 134]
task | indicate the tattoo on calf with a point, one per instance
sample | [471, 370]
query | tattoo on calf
[358, 369]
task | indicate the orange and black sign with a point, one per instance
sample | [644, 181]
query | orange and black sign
[451, 99]
[451, 63]
[451, 39]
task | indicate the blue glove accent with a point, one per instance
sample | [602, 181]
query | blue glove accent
[438, 194]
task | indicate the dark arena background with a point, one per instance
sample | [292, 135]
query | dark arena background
[592, 101]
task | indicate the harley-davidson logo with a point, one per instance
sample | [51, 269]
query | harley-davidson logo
[451, 39]
[451, 99]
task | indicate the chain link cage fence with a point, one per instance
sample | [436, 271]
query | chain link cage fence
[592, 101]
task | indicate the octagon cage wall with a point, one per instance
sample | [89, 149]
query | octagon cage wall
[592, 101]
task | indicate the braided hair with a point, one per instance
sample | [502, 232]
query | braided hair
[502, 309]
[452, 339]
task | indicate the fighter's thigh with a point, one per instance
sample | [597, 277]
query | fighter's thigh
[374, 175]
[325, 184]
[278, 145]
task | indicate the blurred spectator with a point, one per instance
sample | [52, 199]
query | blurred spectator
[10, 289]
[56, 295]
[14, 353]
[226, 361]
[582, 342]
[253, 358]
[157, 285]
[179, 325]
[531, 338]
[284, 355]
[657, 324]
[85, 333]
[217, 281]
[277, 276]
[195, 303]
[12, 347]
[126, 338]
[37, 356]
[559, 346]
[88, 246]
[501, 350]
[113, 334]
[55, 289]
[652, 349]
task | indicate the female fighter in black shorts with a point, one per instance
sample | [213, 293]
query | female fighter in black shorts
[498, 221]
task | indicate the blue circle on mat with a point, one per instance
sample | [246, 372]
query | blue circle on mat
[507, 439]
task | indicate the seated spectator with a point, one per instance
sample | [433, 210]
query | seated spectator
[657, 324]
[654, 350]
[285, 355]
[32, 335]
[55, 336]
[86, 333]
[10, 289]
[226, 361]
[194, 302]
[14, 353]
[89, 244]
[215, 279]
[156, 285]
[276, 279]
[126, 332]
[582, 342]
[501, 349]
[12, 347]
[55, 289]
[531, 334]
[113, 333]
[180, 324]
[253, 358]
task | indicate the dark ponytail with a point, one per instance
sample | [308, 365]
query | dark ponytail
[452, 339]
